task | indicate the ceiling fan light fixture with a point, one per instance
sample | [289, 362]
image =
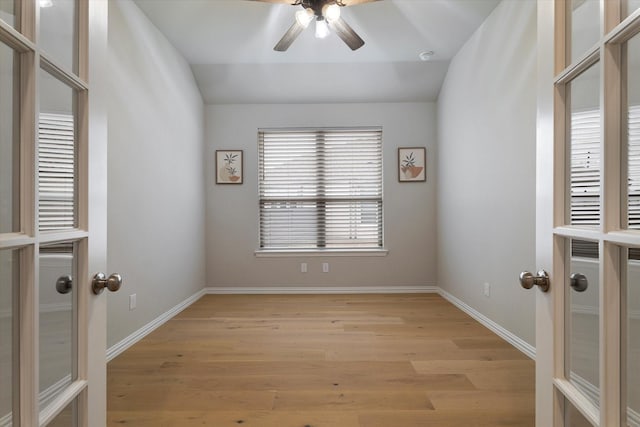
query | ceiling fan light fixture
[304, 17]
[331, 12]
[322, 29]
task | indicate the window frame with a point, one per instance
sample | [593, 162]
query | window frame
[321, 199]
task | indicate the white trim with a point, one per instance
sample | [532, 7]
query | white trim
[127, 342]
[267, 290]
[295, 253]
[508, 336]
[633, 418]
[46, 396]
[6, 420]
[55, 307]
[590, 391]
[44, 308]
[593, 393]
[595, 311]
[61, 401]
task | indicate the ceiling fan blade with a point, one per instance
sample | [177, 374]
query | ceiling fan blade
[346, 33]
[289, 37]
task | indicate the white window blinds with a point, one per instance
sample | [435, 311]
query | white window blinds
[320, 188]
[634, 167]
[585, 174]
[585, 168]
[56, 175]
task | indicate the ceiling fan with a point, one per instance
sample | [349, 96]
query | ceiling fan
[327, 16]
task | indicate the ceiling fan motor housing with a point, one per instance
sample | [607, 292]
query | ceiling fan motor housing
[327, 13]
[318, 5]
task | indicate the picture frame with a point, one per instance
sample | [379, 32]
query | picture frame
[229, 167]
[412, 164]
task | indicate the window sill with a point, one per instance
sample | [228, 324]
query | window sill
[295, 253]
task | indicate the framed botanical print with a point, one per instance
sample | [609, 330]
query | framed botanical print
[412, 164]
[229, 166]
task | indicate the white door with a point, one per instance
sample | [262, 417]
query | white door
[588, 213]
[52, 212]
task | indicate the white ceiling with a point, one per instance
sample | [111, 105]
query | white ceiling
[229, 44]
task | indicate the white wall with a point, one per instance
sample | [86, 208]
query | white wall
[409, 209]
[486, 168]
[156, 178]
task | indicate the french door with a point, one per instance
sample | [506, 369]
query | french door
[588, 213]
[52, 212]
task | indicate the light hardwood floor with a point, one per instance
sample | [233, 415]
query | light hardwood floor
[321, 361]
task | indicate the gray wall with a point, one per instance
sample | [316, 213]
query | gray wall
[156, 178]
[409, 209]
[486, 169]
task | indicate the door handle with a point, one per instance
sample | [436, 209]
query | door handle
[63, 284]
[578, 282]
[101, 281]
[528, 280]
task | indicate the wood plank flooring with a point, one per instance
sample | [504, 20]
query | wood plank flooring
[321, 361]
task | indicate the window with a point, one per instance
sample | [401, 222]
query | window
[320, 188]
[634, 167]
[57, 171]
[585, 168]
[585, 174]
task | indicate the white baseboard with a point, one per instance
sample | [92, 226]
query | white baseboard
[48, 395]
[275, 290]
[124, 344]
[508, 336]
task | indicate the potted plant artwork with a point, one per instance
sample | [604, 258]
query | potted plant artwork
[229, 166]
[412, 164]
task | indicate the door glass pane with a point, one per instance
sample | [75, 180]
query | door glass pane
[633, 131]
[582, 321]
[9, 148]
[584, 147]
[58, 32]
[66, 418]
[57, 314]
[9, 269]
[7, 12]
[633, 339]
[585, 26]
[573, 417]
[57, 155]
[632, 6]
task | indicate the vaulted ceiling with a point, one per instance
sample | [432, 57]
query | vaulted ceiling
[229, 45]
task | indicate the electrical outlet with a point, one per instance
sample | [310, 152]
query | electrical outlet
[132, 301]
[325, 267]
[487, 290]
[303, 267]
